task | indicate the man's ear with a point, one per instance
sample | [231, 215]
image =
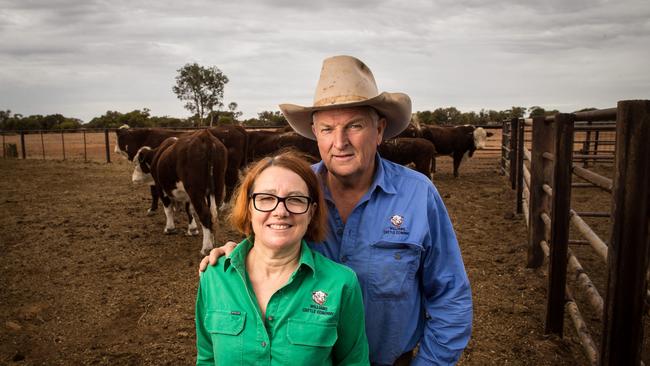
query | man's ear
[381, 129]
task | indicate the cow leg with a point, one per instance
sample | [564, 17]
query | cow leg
[457, 159]
[433, 164]
[192, 227]
[154, 201]
[207, 216]
[170, 228]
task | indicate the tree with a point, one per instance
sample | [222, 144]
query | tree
[268, 118]
[201, 88]
[232, 108]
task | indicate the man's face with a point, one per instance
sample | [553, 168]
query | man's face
[347, 140]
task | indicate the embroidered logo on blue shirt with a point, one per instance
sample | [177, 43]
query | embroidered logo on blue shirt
[396, 222]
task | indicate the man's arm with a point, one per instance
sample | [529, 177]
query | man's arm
[447, 296]
[215, 253]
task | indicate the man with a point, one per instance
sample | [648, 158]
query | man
[386, 222]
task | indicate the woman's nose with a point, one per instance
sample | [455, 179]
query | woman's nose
[281, 209]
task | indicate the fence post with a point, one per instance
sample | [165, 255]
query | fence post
[514, 126]
[520, 166]
[22, 144]
[628, 248]
[585, 146]
[42, 145]
[85, 155]
[542, 141]
[561, 203]
[63, 144]
[108, 148]
[504, 141]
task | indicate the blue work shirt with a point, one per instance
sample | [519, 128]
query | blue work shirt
[400, 242]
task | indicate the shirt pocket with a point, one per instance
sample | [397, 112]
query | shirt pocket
[393, 269]
[225, 328]
[310, 333]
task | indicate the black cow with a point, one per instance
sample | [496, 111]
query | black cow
[455, 141]
[406, 150]
[266, 143]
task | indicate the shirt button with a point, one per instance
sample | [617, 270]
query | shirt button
[263, 344]
[270, 318]
[339, 231]
[398, 256]
[344, 258]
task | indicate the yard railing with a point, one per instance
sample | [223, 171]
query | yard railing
[542, 177]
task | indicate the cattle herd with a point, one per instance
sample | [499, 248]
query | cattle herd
[199, 170]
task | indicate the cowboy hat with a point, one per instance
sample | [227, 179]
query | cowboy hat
[347, 82]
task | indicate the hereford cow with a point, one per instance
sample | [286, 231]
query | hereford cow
[406, 150]
[455, 141]
[235, 138]
[190, 168]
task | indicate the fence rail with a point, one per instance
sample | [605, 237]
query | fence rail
[541, 172]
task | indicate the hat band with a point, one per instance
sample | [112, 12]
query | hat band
[339, 99]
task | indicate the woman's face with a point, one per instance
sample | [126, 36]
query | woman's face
[279, 229]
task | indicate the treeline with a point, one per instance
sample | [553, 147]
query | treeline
[143, 118]
[135, 118]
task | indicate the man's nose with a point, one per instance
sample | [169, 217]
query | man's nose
[340, 138]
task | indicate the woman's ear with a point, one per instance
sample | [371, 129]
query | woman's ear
[312, 209]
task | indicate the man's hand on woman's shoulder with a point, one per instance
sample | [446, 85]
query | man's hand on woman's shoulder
[215, 253]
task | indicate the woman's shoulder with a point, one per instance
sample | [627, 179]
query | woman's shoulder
[214, 271]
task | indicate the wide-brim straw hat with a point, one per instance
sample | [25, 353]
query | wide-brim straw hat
[345, 82]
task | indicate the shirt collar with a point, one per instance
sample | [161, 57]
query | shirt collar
[237, 259]
[378, 181]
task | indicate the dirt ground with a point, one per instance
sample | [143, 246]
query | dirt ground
[87, 278]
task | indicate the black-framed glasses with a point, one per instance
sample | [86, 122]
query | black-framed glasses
[267, 202]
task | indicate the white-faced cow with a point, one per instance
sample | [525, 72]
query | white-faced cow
[407, 150]
[190, 168]
[455, 141]
[235, 138]
[130, 140]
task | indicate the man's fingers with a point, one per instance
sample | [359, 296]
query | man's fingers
[214, 255]
[203, 265]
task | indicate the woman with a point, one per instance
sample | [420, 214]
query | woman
[274, 301]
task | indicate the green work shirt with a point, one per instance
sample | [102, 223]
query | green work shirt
[316, 318]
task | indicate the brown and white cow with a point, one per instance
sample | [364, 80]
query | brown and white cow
[190, 168]
[407, 150]
[130, 140]
[456, 141]
[235, 138]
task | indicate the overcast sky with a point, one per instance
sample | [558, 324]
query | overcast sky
[81, 58]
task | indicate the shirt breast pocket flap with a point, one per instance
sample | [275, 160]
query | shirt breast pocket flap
[225, 322]
[394, 269]
[308, 333]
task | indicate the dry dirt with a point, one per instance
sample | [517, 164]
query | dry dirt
[87, 278]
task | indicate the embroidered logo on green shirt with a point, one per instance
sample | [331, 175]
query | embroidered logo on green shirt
[319, 297]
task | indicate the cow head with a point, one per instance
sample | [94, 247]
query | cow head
[142, 170]
[480, 138]
[128, 141]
